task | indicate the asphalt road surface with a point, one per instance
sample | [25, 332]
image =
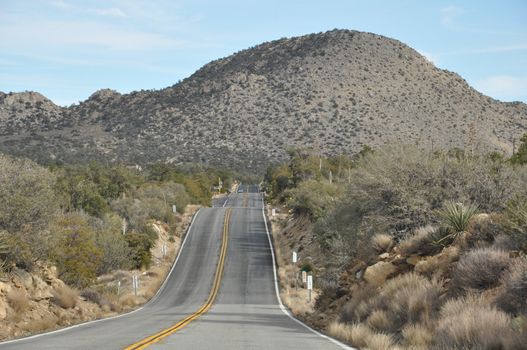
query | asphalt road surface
[246, 313]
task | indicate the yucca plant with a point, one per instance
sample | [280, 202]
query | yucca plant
[455, 217]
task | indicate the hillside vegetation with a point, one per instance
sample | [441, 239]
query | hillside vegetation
[70, 234]
[336, 91]
[409, 248]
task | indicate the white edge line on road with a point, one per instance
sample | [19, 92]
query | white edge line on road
[226, 200]
[282, 307]
[117, 316]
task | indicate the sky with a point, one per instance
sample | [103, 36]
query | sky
[68, 49]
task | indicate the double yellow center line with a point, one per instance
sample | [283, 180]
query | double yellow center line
[142, 344]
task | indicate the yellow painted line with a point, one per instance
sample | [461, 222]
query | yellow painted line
[142, 344]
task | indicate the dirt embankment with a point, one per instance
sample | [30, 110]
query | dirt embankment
[38, 301]
[295, 234]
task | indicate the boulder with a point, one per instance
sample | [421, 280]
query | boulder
[3, 308]
[41, 290]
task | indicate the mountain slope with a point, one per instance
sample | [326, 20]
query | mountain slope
[334, 91]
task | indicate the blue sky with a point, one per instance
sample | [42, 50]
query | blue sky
[67, 49]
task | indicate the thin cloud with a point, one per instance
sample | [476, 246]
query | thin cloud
[504, 87]
[82, 34]
[111, 12]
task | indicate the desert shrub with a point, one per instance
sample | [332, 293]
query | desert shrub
[408, 298]
[418, 336]
[483, 229]
[520, 157]
[397, 189]
[382, 242]
[515, 222]
[65, 297]
[471, 323]
[27, 195]
[170, 193]
[115, 251]
[513, 298]
[132, 210]
[75, 250]
[92, 295]
[312, 197]
[361, 335]
[18, 300]
[379, 320]
[41, 324]
[140, 245]
[360, 306]
[480, 269]
[279, 179]
[306, 266]
[91, 187]
[422, 241]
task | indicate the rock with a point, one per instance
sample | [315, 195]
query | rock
[22, 278]
[3, 308]
[50, 273]
[4, 288]
[40, 290]
[384, 256]
[377, 274]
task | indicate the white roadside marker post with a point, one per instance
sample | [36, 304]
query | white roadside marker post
[295, 259]
[309, 286]
[135, 284]
[174, 208]
[304, 278]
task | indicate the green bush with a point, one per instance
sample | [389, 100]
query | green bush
[397, 189]
[27, 196]
[312, 197]
[75, 251]
[140, 244]
[115, 251]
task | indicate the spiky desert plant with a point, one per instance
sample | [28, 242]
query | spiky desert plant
[456, 216]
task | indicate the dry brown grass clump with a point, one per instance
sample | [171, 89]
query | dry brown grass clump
[471, 323]
[18, 300]
[378, 320]
[41, 324]
[382, 242]
[417, 336]
[361, 335]
[410, 298]
[480, 269]
[65, 297]
[420, 242]
[407, 298]
[513, 298]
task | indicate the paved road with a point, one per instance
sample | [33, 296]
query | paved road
[246, 314]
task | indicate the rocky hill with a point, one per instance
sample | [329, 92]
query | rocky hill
[334, 91]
